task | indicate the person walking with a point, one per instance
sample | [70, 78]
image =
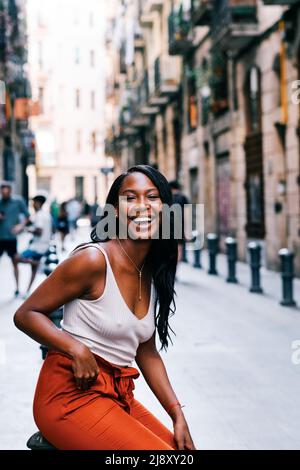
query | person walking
[41, 230]
[54, 211]
[74, 209]
[118, 293]
[62, 225]
[14, 216]
[94, 213]
[181, 199]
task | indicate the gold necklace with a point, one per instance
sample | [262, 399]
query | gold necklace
[138, 270]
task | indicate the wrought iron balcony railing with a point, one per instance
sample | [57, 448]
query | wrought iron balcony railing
[235, 23]
[202, 12]
[180, 31]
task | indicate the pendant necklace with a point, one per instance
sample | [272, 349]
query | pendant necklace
[138, 270]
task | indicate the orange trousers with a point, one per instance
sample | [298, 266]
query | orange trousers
[104, 417]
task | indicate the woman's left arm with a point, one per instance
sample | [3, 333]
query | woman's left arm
[153, 369]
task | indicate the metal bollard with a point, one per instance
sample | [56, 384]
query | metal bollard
[184, 257]
[287, 276]
[196, 249]
[231, 250]
[254, 250]
[213, 248]
[49, 268]
[52, 259]
[197, 258]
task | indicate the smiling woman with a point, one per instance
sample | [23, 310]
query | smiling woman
[117, 292]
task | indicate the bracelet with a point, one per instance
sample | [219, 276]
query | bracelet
[172, 406]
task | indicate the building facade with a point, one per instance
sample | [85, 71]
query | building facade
[17, 144]
[229, 130]
[66, 69]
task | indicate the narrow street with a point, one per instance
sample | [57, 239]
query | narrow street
[230, 364]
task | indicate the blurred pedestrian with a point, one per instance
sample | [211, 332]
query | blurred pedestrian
[62, 225]
[74, 208]
[85, 208]
[12, 208]
[54, 211]
[181, 199]
[93, 213]
[41, 229]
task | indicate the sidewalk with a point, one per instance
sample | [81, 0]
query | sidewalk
[270, 280]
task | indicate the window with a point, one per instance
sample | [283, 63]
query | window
[77, 98]
[94, 141]
[43, 183]
[218, 83]
[78, 141]
[93, 99]
[253, 94]
[92, 58]
[223, 193]
[77, 55]
[79, 187]
[41, 99]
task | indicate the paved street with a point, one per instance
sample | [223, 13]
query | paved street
[230, 364]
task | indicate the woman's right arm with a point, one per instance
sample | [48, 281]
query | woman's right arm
[73, 278]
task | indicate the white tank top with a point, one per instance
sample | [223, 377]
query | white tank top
[106, 325]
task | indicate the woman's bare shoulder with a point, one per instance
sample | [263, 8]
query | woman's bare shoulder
[88, 258]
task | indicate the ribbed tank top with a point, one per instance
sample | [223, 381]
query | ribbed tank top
[106, 325]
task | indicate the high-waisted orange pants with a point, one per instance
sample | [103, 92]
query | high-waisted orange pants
[104, 417]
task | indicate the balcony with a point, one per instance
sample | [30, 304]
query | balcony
[145, 106]
[281, 2]
[125, 128]
[138, 111]
[235, 24]
[166, 76]
[202, 12]
[180, 32]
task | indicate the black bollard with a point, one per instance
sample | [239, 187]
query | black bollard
[184, 257]
[52, 259]
[287, 276]
[231, 250]
[254, 250]
[196, 249]
[52, 248]
[213, 248]
[49, 268]
[197, 258]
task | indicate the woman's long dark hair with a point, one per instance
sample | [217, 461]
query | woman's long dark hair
[162, 257]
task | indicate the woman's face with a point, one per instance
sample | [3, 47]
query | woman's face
[140, 207]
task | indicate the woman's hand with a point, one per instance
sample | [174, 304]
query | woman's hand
[85, 367]
[182, 435]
